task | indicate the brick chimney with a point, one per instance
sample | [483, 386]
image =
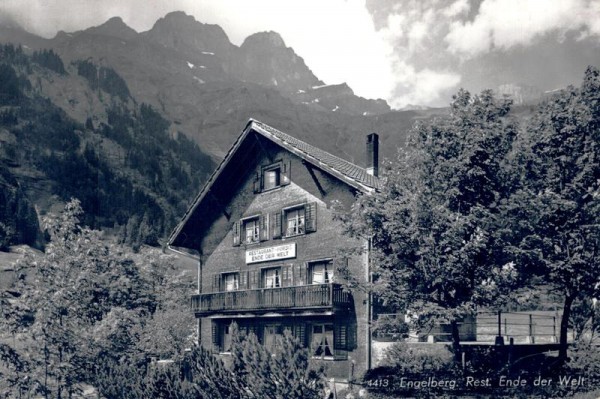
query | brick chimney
[373, 154]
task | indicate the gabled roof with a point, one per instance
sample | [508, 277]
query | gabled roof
[351, 174]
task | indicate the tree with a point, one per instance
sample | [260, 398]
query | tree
[284, 371]
[556, 209]
[435, 253]
[85, 295]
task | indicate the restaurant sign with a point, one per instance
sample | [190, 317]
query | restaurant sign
[285, 251]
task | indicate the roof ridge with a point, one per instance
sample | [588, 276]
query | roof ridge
[358, 173]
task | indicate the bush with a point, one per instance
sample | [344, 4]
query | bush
[390, 327]
[418, 358]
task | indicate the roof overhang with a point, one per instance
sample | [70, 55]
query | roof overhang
[279, 139]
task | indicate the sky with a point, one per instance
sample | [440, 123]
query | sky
[409, 52]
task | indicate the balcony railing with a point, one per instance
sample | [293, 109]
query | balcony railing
[316, 296]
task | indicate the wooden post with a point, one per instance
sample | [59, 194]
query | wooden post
[530, 338]
[499, 337]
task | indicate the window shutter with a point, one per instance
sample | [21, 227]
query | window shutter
[300, 274]
[253, 279]
[300, 333]
[340, 341]
[340, 266]
[236, 233]
[285, 172]
[264, 227]
[216, 286]
[288, 275]
[310, 215]
[277, 225]
[244, 280]
[257, 183]
[252, 329]
[216, 337]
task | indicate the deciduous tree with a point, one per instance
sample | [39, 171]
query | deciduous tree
[432, 225]
[556, 210]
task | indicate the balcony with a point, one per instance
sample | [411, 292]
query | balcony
[321, 297]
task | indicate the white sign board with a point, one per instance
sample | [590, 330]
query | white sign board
[271, 253]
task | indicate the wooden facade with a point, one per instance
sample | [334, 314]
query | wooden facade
[269, 249]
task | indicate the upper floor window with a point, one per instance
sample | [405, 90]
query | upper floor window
[251, 230]
[272, 277]
[231, 281]
[294, 220]
[272, 176]
[321, 272]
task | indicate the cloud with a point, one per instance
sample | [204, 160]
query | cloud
[503, 24]
[435, 42]
[425, 86]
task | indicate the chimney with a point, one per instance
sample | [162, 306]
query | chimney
[373, 154]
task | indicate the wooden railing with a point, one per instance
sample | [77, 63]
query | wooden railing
[284, 298]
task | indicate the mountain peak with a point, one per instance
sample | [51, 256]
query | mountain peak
[114, 27]
[269, 38]
[183, 32]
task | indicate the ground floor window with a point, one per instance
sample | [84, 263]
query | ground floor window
[322, 340]
[325, 340]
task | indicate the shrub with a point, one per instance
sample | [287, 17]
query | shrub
[418, 358]
[390, 326]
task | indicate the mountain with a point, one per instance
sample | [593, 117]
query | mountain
[132, 123]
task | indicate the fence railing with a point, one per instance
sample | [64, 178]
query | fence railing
[521, 327]
[306, 296]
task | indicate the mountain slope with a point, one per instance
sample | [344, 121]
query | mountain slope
[124, 165]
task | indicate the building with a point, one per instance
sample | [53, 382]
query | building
[269, 249]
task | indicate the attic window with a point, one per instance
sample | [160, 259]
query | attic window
[272, 176]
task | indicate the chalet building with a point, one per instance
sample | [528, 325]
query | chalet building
[269, 249]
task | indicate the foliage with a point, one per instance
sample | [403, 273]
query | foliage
[103, 78]
[406, 358]
[18, 218]
[585, 320]
[90, 302]
[49, 59]
[285, 371]
[432, 225]
[387, 326]
[553, 217]
[10, 89]
[130, 173]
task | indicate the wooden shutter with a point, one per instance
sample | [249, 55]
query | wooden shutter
[263, 221]
[300, 333]
[340, 267]
[286, 276]
[253, 279]
[237, 227]
[216, 337]
[285, 173]
[310, 216]
[300, 274]
[277, 225]
[257, 183]
[244, 280]
[340, 340]
[216, 283]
